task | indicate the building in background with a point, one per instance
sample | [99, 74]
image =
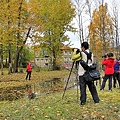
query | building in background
[46, 61]
[67, 52]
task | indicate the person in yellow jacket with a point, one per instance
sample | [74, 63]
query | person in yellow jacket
[82, 82]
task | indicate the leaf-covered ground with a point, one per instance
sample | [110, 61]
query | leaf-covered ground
[51, 106]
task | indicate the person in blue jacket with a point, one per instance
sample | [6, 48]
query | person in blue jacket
[116, 75]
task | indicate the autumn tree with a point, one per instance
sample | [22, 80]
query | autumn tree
[116, 29]
[43, 21]
[53, 20]
[15, 28]
[101, 31]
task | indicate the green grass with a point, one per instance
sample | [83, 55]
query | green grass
[52, 107]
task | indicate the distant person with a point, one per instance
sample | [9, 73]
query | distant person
[116, 75]
[29, 71]
[31, 95]
[109, 71]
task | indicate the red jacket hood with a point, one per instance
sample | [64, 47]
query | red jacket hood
[29, 63]
[29, 67]
[110, 60]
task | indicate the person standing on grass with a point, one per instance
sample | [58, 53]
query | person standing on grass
[29, 71]
[109, 71]
[116, 75]
[82, 82]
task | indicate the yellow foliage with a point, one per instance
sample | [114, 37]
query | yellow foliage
[100, 31]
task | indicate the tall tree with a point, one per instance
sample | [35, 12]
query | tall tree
[21, 19]
[53, 20]
[15, 25]
[80, 6]
[116, 42]
[101, 31]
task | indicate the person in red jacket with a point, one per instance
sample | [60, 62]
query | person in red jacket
[109, 71]
[29, 71]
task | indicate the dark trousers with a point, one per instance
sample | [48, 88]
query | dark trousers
[92, 89]
[104, 81]
[116, 77]
[28, 75]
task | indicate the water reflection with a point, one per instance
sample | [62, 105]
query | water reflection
[54, 85]
[38, 88]
[48, 86]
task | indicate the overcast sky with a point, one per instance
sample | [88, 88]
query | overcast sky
[74, 39]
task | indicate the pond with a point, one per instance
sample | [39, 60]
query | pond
[39, 88]
[54, 85]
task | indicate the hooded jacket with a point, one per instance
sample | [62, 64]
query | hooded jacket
[29, 67]
[116, 67]
[109, 63]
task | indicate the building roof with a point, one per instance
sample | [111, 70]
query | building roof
[65, 48]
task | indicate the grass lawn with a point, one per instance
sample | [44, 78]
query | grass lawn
[51, 106]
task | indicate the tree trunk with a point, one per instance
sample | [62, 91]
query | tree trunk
[16, 62]
[54, 61]
[10, 61]
[19, 51]
[1, 55]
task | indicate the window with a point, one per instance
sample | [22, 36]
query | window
[37, 59]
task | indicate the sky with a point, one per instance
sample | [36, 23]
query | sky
[74, 38]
